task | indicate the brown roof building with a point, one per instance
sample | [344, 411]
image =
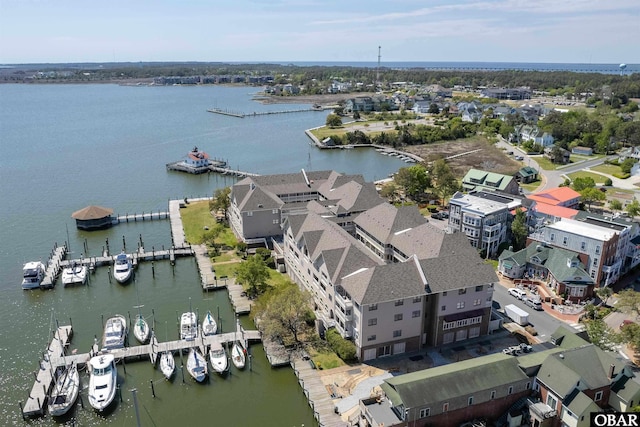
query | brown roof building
[93, 218]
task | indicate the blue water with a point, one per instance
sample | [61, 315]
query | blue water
[63, 147]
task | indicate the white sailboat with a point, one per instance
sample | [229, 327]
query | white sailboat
[218, 358]
[238, 355]
[141, 328]
[167, 364]
[65, 392]
[196, 365]
[209, 325]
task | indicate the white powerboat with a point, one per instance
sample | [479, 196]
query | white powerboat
[32, 275]
[238, 356]
[196, 365]
[188, 326]
[122, 268]
[103, 380]
[209, 325]
[218, 358]
[141, 329]
[167, 364]
[65, 391]
[75, 274]
[115, 332]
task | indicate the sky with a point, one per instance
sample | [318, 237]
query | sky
[548, 31]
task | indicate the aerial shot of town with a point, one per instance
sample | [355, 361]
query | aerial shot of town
[320, 214]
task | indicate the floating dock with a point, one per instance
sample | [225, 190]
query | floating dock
[53, 266]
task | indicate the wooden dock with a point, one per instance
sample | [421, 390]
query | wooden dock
[53, 266]
[241, 115]
[55, 357]
[136, 257]
[149, 216]
[316, 393]
[44, 378]
[241, 304]
[232, 172]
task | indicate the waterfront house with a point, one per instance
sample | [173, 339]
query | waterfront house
[477, 179]
[93, 218]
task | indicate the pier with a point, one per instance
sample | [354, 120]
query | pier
[55, 357]
[241, 115]
[141, 217]
[316, 393]
[136, 257]
[53, 266]
[232, 172]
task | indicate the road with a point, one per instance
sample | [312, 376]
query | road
[544, 323]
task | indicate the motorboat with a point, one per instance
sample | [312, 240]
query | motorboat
[196, 365]
[238, 355]
[141, 329]
[75, 274]
[32, 275]
[115, 332]
[122, 268]
[65, 391]
[218, 358]
[209, 325]
[167, 364]
[103, 380]
[188, 326]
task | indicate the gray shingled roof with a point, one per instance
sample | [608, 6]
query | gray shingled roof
[424, 241]
[258, 198]
[385, 219]
[449, 272]
[384, 283]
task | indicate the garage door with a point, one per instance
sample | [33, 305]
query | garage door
[370, 354]
[398, 348]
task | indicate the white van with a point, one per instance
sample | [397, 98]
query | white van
[534, 303]
[518, 293]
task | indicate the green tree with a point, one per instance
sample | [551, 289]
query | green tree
[519, 229]
[630, 334]
[221, 200]
[627, 164]
[443, 180]
[601, 335]
[389, 191]
[286, 312]
[633, 208]
[582, 182]
[253, 274]
[413, 179]
[615, 205]
[333, 121]
[590, 195]
[629, 301]
[356, 115]
[433, 108]
[604, 293]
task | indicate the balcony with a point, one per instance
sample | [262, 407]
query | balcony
[344, 301]
[491, 228]
[612, 268]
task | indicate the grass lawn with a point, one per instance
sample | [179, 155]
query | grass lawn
[607, 168]
[194, 218]
[226, 237]
[531, 186]
[599, 179]
[228, 270]
[545, 163]
[224, 257]
[325, 359]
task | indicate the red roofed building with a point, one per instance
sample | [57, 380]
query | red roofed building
[553, 213]
[561, 196]
[197, 158]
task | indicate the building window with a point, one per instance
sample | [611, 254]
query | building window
[373, 322]
[417, 299]
[598, 250]
[276, 221]
[528, 386]
[479, 288]
[444, 294]
[371, 338]
[460, 305]
[552, 237]
[373, 307]
[444, 307]
[583, 246]
[274, 211]
[493, 394]
[598, 396]
[565, 240]
[424, 413]
[397, 317]
[399, 302]
[552, 402]
[415, 313]
[445, 407]
[250, 213]
[510, 391]
[470, 401]
[397, 333]
[462, 291]
[477, 302]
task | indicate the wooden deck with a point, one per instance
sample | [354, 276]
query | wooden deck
[316, 393]
[241, 304]
[141, 217]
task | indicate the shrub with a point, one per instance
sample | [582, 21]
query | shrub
[608, 182]
[345, 349]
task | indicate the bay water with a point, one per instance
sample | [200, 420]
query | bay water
[64, 147]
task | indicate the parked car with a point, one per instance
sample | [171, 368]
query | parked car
[534, 303]
[519, 158]
[436, 215]
[518, 293]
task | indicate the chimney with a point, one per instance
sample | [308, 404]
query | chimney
[611, 371]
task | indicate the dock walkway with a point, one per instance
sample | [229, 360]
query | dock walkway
[316, 393]
[44, 379]
[53, 266]
[241, 304]
[241, 115]
[141, 217]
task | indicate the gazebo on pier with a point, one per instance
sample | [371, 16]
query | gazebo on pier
[93, 218]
